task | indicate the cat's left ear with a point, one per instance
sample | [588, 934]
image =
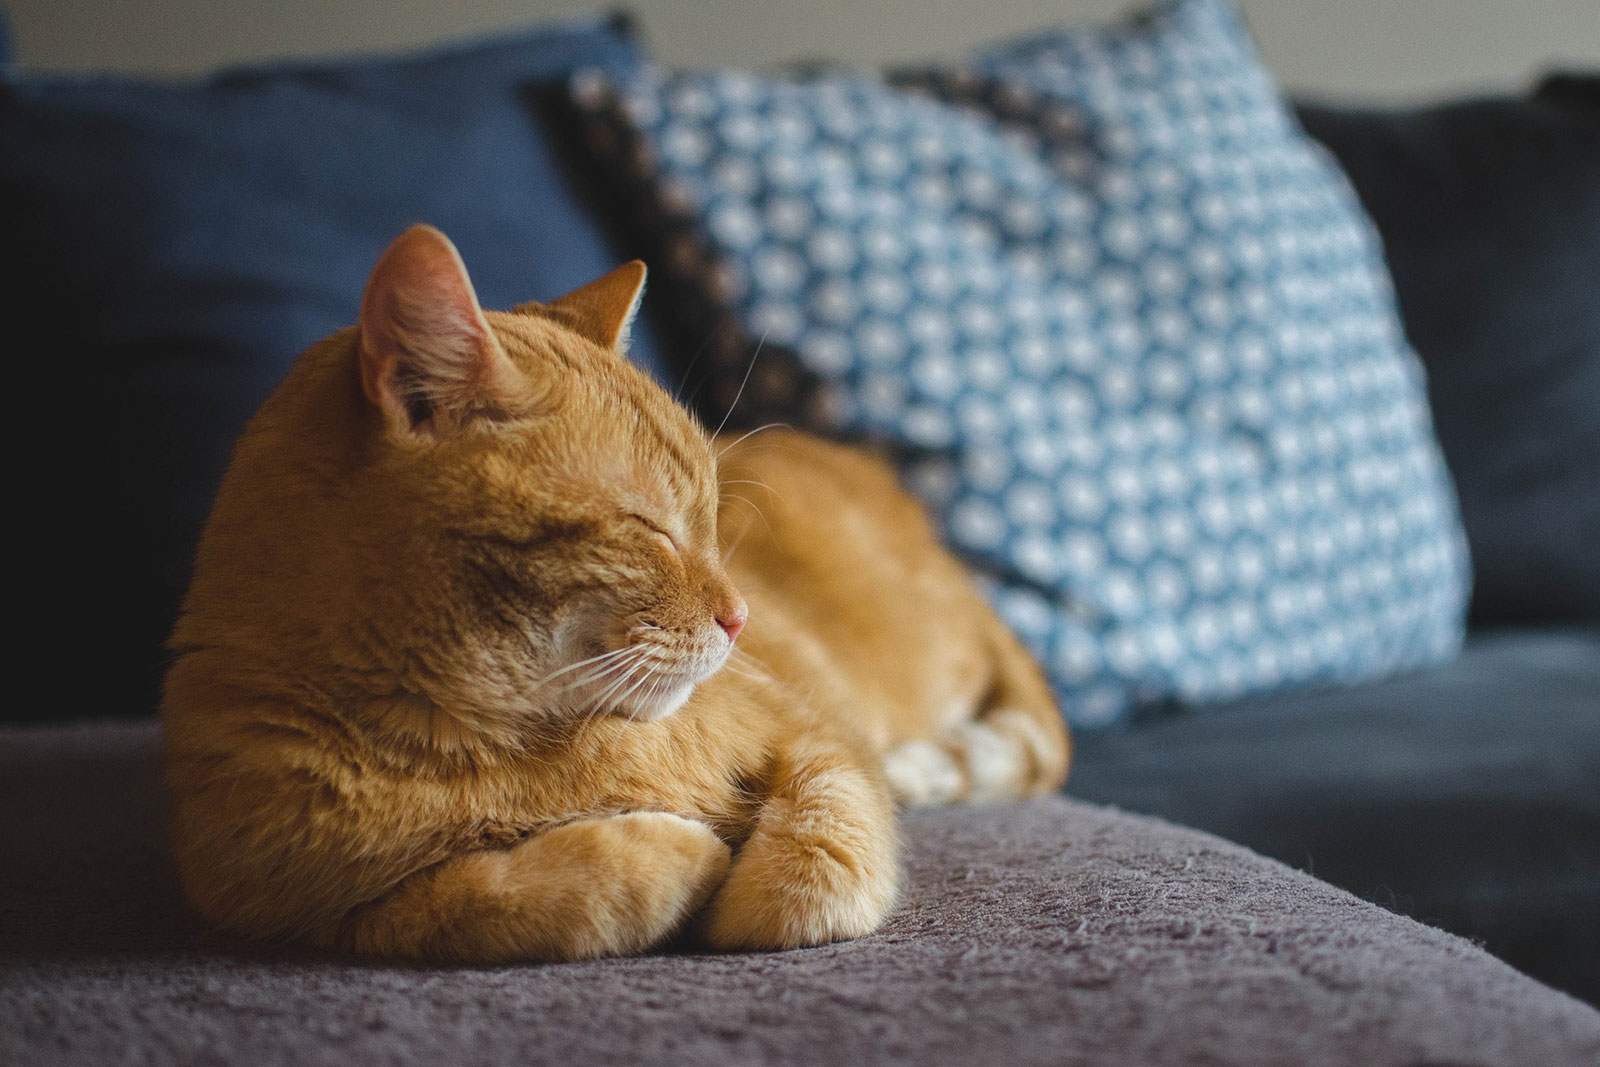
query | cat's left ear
[428, 358]
[604, 310]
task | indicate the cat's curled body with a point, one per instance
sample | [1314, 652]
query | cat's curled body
[453, 676]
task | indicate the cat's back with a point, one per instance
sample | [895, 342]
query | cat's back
[847, 582]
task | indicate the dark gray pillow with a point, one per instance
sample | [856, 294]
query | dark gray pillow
[1490, 212]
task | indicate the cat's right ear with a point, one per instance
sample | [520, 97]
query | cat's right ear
[429, 361]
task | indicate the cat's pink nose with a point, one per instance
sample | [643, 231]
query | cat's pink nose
[732, 619]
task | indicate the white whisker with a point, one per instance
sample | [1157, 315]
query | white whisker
[601, 697]
[733, 546]
[754, 482]
[753, 505]
[627, 671]
[677, 394]
[754, 662]
[753, 356]
[584, 662]
[733, 668]
[746, 436]
[602, 672]
[645, 679]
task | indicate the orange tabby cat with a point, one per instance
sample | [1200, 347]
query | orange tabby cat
[453, 677]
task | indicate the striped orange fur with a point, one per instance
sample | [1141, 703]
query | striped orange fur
[492, 653]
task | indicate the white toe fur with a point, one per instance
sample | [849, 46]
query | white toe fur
[997, 764]
[921, 773]
[1038, 748]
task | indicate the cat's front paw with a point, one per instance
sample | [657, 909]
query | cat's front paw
[678, 862]
[790, 888]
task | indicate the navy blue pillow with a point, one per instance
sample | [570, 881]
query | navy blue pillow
[1490, 215]
[181, 244]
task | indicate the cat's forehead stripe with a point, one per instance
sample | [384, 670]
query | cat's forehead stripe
[685, 467]
[673, 451]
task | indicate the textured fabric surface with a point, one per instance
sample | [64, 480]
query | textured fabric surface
[176, 245]
[1467, 797]
[1126, 326]
[1050, 933]
[1490, 215]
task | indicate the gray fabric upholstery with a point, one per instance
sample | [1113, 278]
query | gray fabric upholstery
[1053, 932]
[1467, 797]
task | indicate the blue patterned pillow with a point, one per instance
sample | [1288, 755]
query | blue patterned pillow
[1125, 325]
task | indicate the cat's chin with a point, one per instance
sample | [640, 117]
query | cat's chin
[660, 707]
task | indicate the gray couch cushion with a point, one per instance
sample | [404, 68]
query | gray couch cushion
[1047, 933]
[1467, 796]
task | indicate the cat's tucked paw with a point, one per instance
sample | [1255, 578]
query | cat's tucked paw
[921, 773]
[994, 764]
[1001, 755]
[791, 890]
[1032, 762]
[606, 886]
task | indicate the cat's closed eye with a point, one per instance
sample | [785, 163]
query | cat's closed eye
[657, 529]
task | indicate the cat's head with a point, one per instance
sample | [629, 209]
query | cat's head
[560, 500]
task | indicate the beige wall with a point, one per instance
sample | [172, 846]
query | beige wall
[1354, 48]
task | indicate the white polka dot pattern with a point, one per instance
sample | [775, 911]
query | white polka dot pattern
[1123, 320]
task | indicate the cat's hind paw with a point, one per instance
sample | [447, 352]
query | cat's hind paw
[1005, 754]
[923, 773]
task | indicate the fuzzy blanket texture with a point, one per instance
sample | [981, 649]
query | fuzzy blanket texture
[1047, 933]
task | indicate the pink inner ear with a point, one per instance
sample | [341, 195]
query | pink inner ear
[423, 338]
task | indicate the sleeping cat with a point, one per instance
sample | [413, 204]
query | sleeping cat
[492, 654]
